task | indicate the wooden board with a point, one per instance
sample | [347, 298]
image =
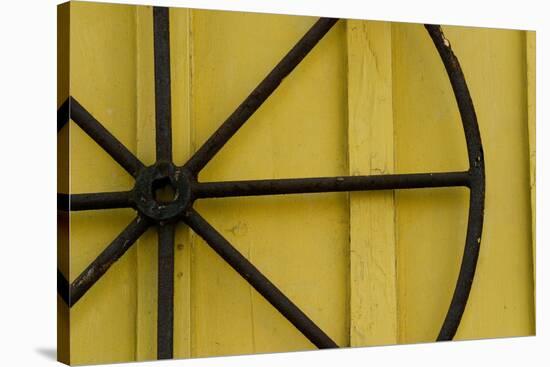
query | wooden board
[299, 242]
[432, 223]
[103, 79]
[373, 288]
[531, 66]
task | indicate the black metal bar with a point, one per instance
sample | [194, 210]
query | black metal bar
[108, 257]
[62, 287]
[94, 201]
[259, 95]
[63, 202]
[63, 115]
[165, 305]
[477, 185]
[467, 267]
[253, 276]
[330, 184]
[163, 113]
[104, 138]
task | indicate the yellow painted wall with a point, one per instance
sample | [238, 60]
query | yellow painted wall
[299, 131]
[103, 77]
[371, 98]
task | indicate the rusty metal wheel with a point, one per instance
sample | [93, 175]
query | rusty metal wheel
[183, 182]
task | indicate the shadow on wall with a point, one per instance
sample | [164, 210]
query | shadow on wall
[48, 353]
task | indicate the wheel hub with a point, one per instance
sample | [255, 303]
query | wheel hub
[162, 191]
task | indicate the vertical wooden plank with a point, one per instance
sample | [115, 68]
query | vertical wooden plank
[373, 293]
[103, 80]
[146, 315]
[301, 241]
[502, 302]
[531, 66]
[180, 54]
[63, 73]
[432, 223]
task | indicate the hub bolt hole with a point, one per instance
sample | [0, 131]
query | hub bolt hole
[163, 190]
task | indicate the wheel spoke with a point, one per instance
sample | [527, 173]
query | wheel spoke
[94, 201]
[63, 115]
[163, 102]
[62, 287]
[330, 184]
[259, 95]
[165, 318]
[257, 280]
[108, 257]
[104, 138]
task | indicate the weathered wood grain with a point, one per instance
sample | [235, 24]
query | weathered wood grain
[373, 288]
